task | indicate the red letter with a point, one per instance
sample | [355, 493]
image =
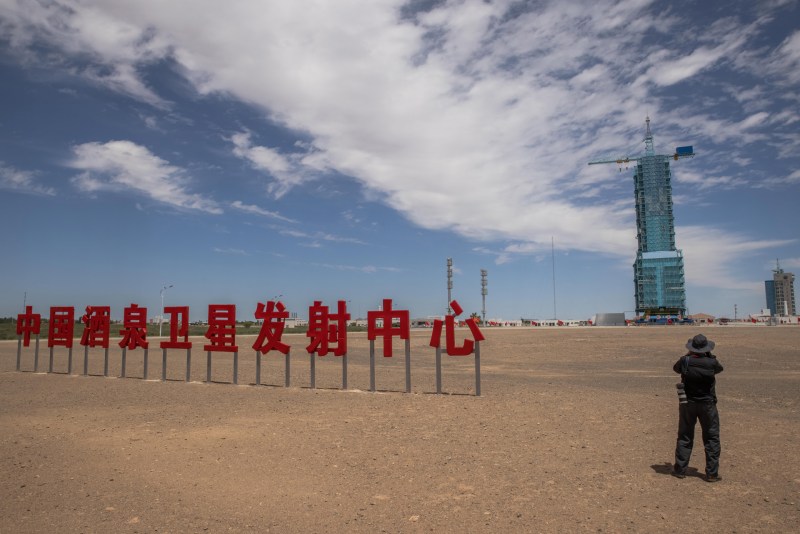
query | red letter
[450, 333]
[134, 333]
[269, 337]
[62, 326]
[97, 321]
[221, 328]
[178, 327]
[325, 328]
[387, 330]
[27, 324]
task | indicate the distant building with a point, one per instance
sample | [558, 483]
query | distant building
[609, 319]
[780, 292]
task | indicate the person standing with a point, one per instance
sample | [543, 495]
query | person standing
[698, 370]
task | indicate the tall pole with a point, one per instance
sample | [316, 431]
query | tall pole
[553, 251]
[484, 292]
[449, 284]
[161, 314]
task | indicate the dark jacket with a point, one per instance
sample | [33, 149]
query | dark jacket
[699, 380]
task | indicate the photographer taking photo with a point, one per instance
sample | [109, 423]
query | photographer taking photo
[698, 369]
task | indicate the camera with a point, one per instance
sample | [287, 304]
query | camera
[681, 394]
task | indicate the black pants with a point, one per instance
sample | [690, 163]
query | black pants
[707, 413]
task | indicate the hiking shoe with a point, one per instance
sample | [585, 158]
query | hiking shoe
[713, 478]
[678, 474]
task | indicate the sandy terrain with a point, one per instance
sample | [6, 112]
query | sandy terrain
[575, 431]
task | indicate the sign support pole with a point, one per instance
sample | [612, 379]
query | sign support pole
[124, 357]
[105, 362]
[188, 364]
[86, 360]
[69, 362]
[287, 381]
[144, 374]
[258, 367]
[50, 369]
[439, 370]
[477, 368]
[36, 356]
[236, 367]
[163, 365]
[19, 351]
[344, 371]
[372, 365]
[408, 366]
[208, 367]
[313, 371]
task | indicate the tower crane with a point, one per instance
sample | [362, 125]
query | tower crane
[680, 152]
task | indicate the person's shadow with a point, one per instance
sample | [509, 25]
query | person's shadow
[666, 469]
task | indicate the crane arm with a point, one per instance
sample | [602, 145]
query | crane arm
[619, 161]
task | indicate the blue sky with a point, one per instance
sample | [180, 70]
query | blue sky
[344, 150]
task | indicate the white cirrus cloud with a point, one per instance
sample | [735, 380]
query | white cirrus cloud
[256, 210]
[124, 166]
[20, 181]
[469, 116]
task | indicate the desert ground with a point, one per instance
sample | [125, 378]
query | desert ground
[574, 431]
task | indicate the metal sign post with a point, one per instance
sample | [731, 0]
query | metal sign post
[163, 365]
[188, 364]
[50, 368]
[408, 366]
[236, 367]
[313, 371]
[438, 369]
[372, 365]
[258, 367]
[288, 379]
[144, 371]
[477, 368]
[208, 367]
[19, 351]
[105, 363]
[344, 371]
[36, 356]
[85, 360]
[124, 357]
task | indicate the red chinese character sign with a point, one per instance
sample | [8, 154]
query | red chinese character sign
[273, 316]
[97, 326]
[134, 331]
[178, 328]
[269, 337]
[222, 336]
[326, 328]
[452, 349]
[28, 323]
[328, 331]
[382, 323]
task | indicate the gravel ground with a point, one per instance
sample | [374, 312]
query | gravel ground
[574, 431]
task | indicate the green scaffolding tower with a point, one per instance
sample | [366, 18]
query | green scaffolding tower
[658, 270]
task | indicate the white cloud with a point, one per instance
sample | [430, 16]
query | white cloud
[12, 179]
[231, 251]
[255, 210]
[124, 166]
[366, 269]
[473, 117]
[288, 171]
[708, 253]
